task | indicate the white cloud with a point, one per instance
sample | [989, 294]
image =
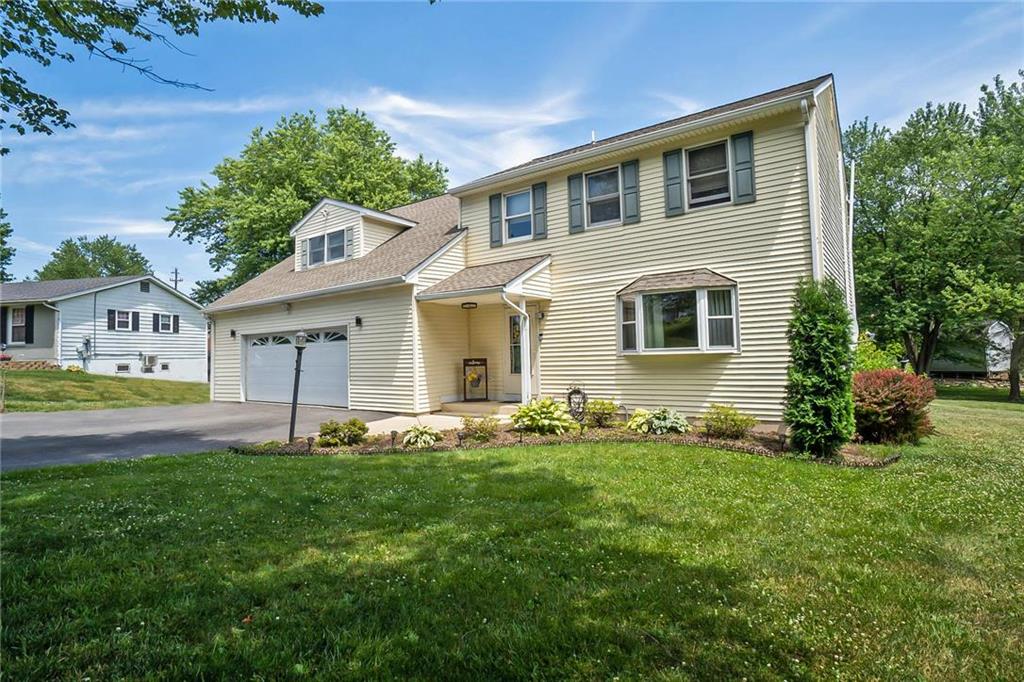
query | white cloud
[182, 108]
[677, 104]
[118, 226]
[30, 246]
[826, 17]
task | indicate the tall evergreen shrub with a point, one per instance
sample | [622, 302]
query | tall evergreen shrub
[819, 400]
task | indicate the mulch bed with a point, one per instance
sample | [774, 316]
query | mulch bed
[756, 444]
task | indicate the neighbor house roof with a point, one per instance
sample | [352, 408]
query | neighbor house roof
[436, 221]
[686, 279]
[665, 127]
[13, 292]
[481, 277]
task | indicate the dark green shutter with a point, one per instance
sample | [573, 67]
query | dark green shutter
[540, 210]
[3, 325]
[743, 168]
[156, 322]
[176, 326]
[111, 318]
[495, 201]
[576, 203]
[135, 322]
[30, 324]
[673, 182]
[630, 192]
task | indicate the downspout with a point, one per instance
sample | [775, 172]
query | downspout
[524, 349]
[849, 253]
[812, 186]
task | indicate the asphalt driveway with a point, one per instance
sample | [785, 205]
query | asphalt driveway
[37, 439]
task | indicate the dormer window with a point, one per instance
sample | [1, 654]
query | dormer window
[336, 245]
[324, 248]
[316, 250]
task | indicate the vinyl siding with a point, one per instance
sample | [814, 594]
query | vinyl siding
[373, 234]
[446, 265]
[538, 284]
[444, 342]
[834, 252]
[764, 245]
[87, 316]
[381, 358]
[337, 219]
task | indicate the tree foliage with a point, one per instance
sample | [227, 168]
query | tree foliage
[43, 31]
[940, 195]
[819, 404]
[243, 219]
[100, 257]
[6, 250]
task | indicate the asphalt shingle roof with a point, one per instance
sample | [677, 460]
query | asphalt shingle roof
[490, 276]
[13, 292]
[685, 279]
[437, 224]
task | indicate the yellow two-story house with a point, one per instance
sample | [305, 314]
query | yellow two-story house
[652, 268]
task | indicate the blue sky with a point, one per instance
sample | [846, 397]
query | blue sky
[478, 86]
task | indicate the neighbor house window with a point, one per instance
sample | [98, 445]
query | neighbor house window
[17, 325]
[316, 250]
[165, 323]
[604, 200]
[707, 175]
[144, 287]
[336, 245]
[123, 367]
[165, 366]
[123, 321]
[690, 320]
[518, 215]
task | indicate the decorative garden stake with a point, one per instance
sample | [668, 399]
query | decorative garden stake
[394, 438]
[461, 435]
[577, 400]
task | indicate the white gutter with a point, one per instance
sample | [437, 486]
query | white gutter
[810, 140]
[632, 141]
[849, 253]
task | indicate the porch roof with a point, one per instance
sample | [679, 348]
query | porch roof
[505, 276]
[684, 279]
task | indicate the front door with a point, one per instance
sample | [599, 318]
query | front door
[513, 361]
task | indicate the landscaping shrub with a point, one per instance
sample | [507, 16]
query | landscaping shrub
[725, 421]
[74, 369]
[480, 429]
[334, 434]
[601, 413]
[891, 406]
[869, 355]
[421, 436]
[819, 401]
[544, 416]
[661, 421]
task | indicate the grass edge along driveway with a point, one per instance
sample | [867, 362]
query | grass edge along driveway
[637, 561]
[58, 390]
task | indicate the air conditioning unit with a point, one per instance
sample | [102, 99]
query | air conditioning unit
[149, 363]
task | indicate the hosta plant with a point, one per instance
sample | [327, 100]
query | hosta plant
[421, 436]
[544, 416]
[659, 422]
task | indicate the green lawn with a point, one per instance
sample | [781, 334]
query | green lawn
[596, 562]
[52, 390]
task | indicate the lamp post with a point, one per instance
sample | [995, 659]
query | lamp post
[300, 345]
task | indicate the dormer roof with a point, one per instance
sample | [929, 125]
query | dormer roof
[381, 216]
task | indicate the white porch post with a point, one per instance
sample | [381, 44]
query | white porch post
[524, 348]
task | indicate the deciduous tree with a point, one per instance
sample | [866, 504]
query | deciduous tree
[6, 250]
[100, 257]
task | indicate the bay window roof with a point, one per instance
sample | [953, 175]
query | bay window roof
[685, 279]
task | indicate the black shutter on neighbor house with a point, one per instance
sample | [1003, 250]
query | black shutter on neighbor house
[575, 203]
[135, 322]
[673, 182]
[495, 204]
[3, 325]
[111, 319]
[630, 192]
[540, 210]
[30, 324]
[175, 318]
[156, 322]
[743, 168]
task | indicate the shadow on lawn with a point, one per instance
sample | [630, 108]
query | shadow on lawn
[462, 569]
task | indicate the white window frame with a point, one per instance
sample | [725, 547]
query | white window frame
[117, 321]
[686, 174]
[703, 331]
[603, 197]
[327, 246]
[505, 216]
[622, 322]
[309, 251]
[170, 324]
[11, 325]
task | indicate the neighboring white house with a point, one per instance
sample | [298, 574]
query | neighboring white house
[132, 326]
[655, 267]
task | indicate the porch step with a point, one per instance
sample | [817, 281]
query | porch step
[479, 408]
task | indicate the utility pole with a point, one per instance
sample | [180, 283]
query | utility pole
[176, 279]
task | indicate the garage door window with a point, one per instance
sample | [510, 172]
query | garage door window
[272, 341]
[326, 337]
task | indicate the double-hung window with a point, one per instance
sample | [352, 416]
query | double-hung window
[17, 325]
[684, 321]
[166, 324]
[123, 320]
[336, 245]
[316, 250]
[707, 175]
[604, 197]
[518, 216]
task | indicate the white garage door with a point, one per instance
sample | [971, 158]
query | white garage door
[270, 368]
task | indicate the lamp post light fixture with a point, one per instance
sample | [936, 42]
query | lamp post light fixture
[300, 345]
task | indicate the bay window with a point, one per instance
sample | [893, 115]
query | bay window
[683, 321]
